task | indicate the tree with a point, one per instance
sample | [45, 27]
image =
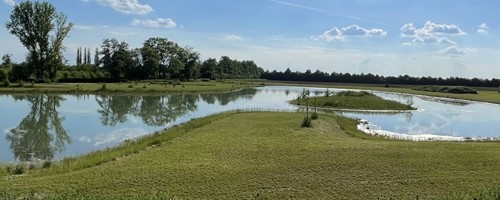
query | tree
[209, 69]
[87, 58]
[96, 57]
[78, 56]
[150, 63]
[7, 61]
[167, 50]
[41, 30]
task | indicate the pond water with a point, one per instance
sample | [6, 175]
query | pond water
[55, 126]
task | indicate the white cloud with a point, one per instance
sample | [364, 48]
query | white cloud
[455, 51]
[349, 31]
[155, 23]
[85, 139]
[127, 6]
[88, 28]
[10, 2]
[431, 33]
[482, 28]
[232, 37]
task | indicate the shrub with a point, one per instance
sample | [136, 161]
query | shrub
[6, 83]
[21, 83]
[306, 122]
[47, 164]
[19, 169]
[103, 87]
[131, 85]
[8, 169]
[314, 116]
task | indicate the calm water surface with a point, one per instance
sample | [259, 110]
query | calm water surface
[54, 126]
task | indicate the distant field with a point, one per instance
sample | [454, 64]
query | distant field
[268, 156]
[490, 95]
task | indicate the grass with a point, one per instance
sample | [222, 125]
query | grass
[447, 89]
[131, 87]
[352, 100]
[490, 95]
[268, 156]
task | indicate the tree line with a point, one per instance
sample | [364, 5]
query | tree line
[319, 76]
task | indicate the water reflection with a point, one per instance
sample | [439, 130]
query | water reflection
[40, 134]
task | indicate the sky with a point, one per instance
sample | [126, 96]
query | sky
[387, 37]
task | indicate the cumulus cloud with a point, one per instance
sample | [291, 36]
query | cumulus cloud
[431, 33]
[349, 31]
[10, 2]
[155, 23]
[127, 6]
[232, 37]
[482, 28]
[454, 51]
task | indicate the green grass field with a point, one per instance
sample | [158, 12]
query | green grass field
[132, 87]
[263, 155]
[352, 100]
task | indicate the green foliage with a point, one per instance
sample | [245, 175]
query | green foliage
[306, 122]
[41, 30]
[314, 116]
[19, 169]
[6, 83]
[447, 89]
[20, 72]
[47, 164]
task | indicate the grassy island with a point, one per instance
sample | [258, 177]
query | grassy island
[447, 89]
[352, 100]
[267, 156]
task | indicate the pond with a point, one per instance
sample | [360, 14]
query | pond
[55, 126]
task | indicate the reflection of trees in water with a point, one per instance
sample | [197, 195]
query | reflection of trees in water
[226, 98]
[160, 110]
[153, 110]
[40, 133]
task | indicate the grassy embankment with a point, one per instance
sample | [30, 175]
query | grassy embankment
[352, 100]
[268, 156]
[132, 87]
[490, 95]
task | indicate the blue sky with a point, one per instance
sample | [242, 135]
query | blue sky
[387, 37]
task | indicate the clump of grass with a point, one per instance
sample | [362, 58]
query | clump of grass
[306, 122]
[47, 164]
[19, 169]
[314, 116]
[131, 85]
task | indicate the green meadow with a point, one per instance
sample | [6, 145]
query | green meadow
[267, 155]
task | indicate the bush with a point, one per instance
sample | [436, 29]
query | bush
[314, 116]
[103, 87]
[47, 164]
[306, 122]
[6, 83]
[19, 169]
